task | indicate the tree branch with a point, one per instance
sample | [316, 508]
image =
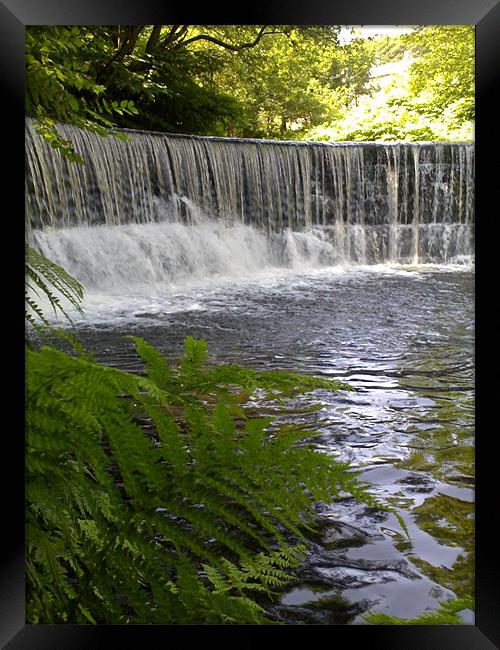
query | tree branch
[127, 47]
[153, 39]
[174, 35]
[228, 46]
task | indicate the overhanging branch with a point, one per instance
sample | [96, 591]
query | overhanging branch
[229, 46]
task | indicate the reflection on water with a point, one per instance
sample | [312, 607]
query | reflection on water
[404, 340]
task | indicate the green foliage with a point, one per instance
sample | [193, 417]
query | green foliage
[62, 86]
[170, 95]
[444, 68]
[155, 499]
[350, 69]
[274, 81]
[387, 49]
[283, 85]
[446, 614]
[429, 98]
[43, 275]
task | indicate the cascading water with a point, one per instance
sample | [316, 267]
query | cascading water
[351, 261]
[160, 207]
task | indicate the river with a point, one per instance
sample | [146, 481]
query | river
[352, 261]
[402, 336]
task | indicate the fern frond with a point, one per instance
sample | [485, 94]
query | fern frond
[189, 521]
[43, 275]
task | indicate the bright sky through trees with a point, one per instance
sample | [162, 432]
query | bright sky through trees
[367, 31]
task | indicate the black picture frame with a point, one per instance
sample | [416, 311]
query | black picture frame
[14, 16]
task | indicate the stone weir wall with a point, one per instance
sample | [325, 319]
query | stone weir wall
[153, 176]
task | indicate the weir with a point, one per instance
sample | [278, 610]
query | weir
[356, 203]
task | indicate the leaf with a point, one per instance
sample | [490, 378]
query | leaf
[147, 502]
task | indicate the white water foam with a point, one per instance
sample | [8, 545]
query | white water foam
[161, 268]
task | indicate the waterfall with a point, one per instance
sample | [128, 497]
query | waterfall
[416, 204]
[155, 206]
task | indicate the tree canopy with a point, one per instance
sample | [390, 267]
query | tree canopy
[264, 81]
[429, 95]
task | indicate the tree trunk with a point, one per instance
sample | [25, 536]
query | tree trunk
[154, 39]
[127, 47]
[283, 124]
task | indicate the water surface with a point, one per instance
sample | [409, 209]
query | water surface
[402, 336]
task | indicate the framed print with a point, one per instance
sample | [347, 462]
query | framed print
[277, 261]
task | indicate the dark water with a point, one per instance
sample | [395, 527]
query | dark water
[403, 337]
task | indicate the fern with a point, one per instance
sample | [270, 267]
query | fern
[188, 520]
[183, 522]
[44, 276]
[40, 272]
